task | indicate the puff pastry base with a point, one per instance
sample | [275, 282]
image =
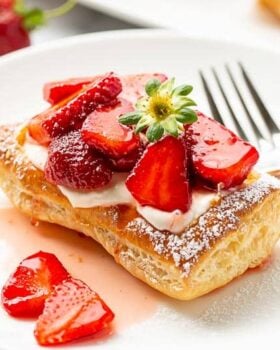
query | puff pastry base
[236, 234]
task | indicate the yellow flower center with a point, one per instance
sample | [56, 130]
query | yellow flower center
[160, 107]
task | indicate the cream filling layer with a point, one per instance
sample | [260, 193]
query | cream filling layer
[117, 193]
[176, 221]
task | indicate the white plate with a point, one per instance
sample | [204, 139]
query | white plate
[239, 20]
[245, 312]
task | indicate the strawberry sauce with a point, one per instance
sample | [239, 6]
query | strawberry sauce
[131, 300]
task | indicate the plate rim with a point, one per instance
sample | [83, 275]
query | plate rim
[127, 34]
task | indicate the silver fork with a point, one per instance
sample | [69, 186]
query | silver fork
[235, 102]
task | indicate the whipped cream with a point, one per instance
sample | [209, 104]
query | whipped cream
[112, 194]
[117, 193]
[37, 154]
[176, 221]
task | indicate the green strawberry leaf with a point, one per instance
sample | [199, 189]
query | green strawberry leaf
[130, 118]
[152, 86]
[33, 18]
[154, 132]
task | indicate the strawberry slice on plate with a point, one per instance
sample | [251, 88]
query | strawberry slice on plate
[102, 131]
[73, 311]
[26, 290]
[218, 155]
[70, 113]
[133, 86]
[160, 178]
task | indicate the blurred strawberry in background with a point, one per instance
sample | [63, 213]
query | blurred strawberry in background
[13, 34]
[6, 4]
[17, 21]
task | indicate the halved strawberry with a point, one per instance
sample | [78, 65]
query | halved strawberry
[218, 155]
[160, 178]
[56, 91]
[26, 290]
[70, 113]
[102, 131]
[73, 311]
[72, 163]
[133, 86]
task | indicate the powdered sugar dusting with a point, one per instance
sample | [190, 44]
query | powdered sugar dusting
[186, 247]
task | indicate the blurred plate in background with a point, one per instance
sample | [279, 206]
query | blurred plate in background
[239, 20]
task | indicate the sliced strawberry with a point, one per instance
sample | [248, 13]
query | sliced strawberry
[103, 131]
[126, 163]
[218, 155]
[160, 177]
[26, 290]
[133, 86]
[70, 113]
[72, 163]
[73, 311]
[56, 91]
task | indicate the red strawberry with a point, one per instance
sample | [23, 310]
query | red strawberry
[70, 113]
[72, 163]
[126, 163]
[160, 177]
[218, 155]
[56, 91]
[13, 35]
[133, 86]
[103, 131]
[73, 311]
[17, 20]
[6, 4]
[26, 290]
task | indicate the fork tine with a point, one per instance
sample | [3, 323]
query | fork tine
[253, 113]
[213, 106]
[273, 127]
[217, 102]
[237, 89]
[226, 99]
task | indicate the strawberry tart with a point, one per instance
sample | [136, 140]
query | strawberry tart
[127, 160]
